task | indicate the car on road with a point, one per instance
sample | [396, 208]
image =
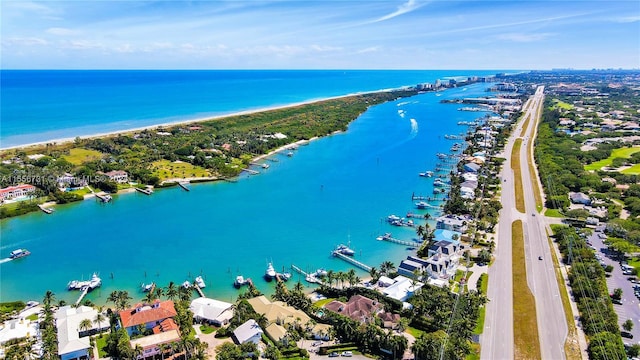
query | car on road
[334, 354]
[626, 334]
[539, 257]
[533, 214]
[317, 343]
[347, 354]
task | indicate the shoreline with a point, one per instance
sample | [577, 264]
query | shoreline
[193, 121]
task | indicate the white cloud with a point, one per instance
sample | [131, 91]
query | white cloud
[520, 37]
[59, 31]
[407, 7]
[368, 50]
[24, 41]
[628, 19]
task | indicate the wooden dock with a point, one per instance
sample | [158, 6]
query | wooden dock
[144, 191]
[311, 278]
[352, 261]
[183, 185]
[84, 292]
[103, 197]
[252, 172]
[195, 286]
[44, 209]
[387, 237]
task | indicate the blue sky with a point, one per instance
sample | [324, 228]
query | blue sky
[328, 34]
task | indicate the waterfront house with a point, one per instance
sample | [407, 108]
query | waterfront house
[444, 247]
[447, 235]
[471, 167]
[118, 176]
[467, 192]
[384, 281]
[451, 222]
[152, 345]
[151, 317]
[441, 266]
[403, 288]
[73, 343]
[211, 311]
[17, 191]
[410, 267]
[20, 328]
[250, 331]
[358, 308]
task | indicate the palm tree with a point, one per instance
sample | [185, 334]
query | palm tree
[84, 325]
[420, 230]
[137, 351]
[299, 288]
[387, 267]
[123, 299]
[351, 276]
[330, 277]
[171, 291]
[184, 293]
[49, 298]
[374, 273]
[149, 297]
[99, 319]
[159, 292]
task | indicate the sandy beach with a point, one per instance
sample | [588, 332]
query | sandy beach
[192, 121]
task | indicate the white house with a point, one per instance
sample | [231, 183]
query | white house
[403, 288]
[212, 311]
[73, 343]
[118, 176]
[249, 331]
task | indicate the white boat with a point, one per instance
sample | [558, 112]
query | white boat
[94, 282]
[345, 250]
[81, 285]
[240, 281]
[186, 284]
[393, 218]
[265, 166]
[422, 205]
[290, 153]
[146, 287]
[285, 276]
[18, 253]
[385, 236]
[321, 272]
[200, 282]
[270, 273]
[311, 279]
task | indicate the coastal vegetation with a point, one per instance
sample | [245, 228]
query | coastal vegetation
[525, 326]
[217, 148]
[517, 175]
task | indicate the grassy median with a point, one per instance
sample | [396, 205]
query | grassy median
[525, 324]
[532, 170]
[571, 346]
[517, 175]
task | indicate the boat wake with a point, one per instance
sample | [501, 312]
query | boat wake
[401, 113]
[414, 128]
[2, 261]
[403, 103]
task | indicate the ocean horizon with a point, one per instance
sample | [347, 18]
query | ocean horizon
[337, 189]
[45, 105]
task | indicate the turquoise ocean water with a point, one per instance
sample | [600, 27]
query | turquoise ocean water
[335, 189]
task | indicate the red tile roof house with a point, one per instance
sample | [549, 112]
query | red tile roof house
[358, 308]
[150, 316]
[16, 191]
[157, 317]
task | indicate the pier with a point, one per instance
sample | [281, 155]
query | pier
[311, 278]
[415, 197]
[352, 261]
[387, 237]
[252, 172]
[183, 185]
[195, 286]
[104, 197]
[84, 292]
[144, 191]
[44, 209]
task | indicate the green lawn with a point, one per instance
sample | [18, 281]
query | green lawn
[166, 169]
[78, 156]
[634, 170]
[323, 302]
[625, 152]
[82, 192]
[414, 332]
[515, 165]
[562, 105]
[553, 213]
[32, 317]
[207, 329]
[101, 342]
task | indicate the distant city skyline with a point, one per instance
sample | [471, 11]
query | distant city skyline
[407, 34]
